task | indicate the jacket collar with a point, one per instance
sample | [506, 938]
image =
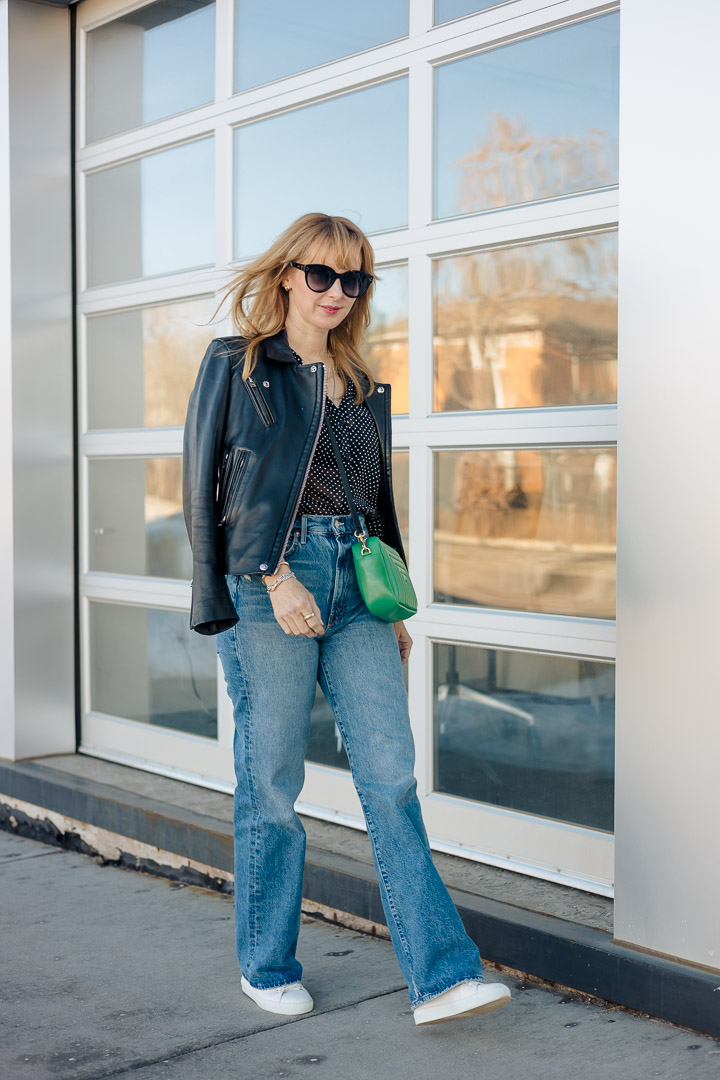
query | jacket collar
[277, 347]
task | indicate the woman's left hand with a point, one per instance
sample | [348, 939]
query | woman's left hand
[404, 641]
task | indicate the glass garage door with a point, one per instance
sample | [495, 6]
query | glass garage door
[477, 145]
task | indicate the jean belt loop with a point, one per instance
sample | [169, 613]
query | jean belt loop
[303, 529]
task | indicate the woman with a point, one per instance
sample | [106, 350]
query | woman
[273, 578]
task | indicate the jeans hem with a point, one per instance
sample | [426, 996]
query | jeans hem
[270, 985]
[446, 986]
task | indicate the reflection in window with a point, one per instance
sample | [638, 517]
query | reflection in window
[153, 215]
[401, 491]
[278, 39]
[300, 174]
[445, 10]
[527, 326]
[527, 530]
[526, 731]
[527, 121]
[386, 343]
[136, 517]
[325, 745]
[147, 665]
[142, 363]
[156, 61]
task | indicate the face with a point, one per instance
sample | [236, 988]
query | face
[323, 310]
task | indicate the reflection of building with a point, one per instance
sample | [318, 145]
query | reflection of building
[495, 320]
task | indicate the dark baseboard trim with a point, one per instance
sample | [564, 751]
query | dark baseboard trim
[553, 949]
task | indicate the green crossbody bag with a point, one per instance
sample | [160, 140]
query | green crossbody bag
[382, 576]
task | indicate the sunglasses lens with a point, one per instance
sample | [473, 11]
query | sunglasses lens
[319, 278]
[353, 284]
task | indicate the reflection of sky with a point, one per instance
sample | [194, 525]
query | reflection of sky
[278, 38]
[178, 208]
[346, 156]
[562, 83]
[454, 9]
[179, 64]
[390, 300]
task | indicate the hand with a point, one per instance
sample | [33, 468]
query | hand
[290, 601]
[403, 638]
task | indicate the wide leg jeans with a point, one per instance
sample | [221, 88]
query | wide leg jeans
[271, 678]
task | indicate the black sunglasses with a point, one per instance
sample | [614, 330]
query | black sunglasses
[320, 278]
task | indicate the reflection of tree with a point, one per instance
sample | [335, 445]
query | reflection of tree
[386, 343]
[173, 345]
[531, 324]
[513, 165]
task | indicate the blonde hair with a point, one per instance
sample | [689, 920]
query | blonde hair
[260, 304]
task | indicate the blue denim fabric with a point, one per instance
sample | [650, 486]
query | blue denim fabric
[271, 678]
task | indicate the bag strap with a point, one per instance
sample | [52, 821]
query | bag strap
[345, 483]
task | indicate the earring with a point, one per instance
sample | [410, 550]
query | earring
[287, 288]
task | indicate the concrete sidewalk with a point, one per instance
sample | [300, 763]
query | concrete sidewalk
[108, 971]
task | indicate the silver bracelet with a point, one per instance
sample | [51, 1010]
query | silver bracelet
[283, 577]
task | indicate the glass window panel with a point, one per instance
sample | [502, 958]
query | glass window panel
[154, 215]
[528, 121]
[455, 9]
[325, 746]
[526, 731]
[147, 665]
[142, 364]
[527, 530]
[401, 491]
[527, 326]
[278, 39]
[386, 343]
[156, 61]
[364, 127]
[136, 517]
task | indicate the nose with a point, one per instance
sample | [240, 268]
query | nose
[335, 292]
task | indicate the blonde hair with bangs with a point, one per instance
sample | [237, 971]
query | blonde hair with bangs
[260, 304]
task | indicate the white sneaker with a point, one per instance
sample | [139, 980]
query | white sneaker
[290, 999]
[466, 999]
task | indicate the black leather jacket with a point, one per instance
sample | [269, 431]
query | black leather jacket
[247, 448]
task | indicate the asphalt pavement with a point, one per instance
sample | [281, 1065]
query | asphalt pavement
[108, 972]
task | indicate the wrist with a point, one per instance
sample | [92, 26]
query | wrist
[268, 579]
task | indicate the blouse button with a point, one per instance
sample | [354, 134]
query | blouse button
[265, 382]
[263, 566]
[381, 389]
[313, 368]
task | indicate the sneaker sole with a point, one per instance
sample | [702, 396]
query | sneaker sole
[473, 1010]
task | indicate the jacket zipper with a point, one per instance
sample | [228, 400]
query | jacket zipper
[307, 470]
[233, 479]
[258, 399]
[222, 481]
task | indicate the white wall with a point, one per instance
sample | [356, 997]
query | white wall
[668, 698]
[36, 463]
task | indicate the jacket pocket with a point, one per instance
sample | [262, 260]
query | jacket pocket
[262, 408]
[234, 465]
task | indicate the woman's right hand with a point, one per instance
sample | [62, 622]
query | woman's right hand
[290, 601]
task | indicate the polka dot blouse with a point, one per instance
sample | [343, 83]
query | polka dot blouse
[359, 444]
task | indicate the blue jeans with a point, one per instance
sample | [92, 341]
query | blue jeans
[271, 678]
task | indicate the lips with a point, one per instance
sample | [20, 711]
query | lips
[330, 310]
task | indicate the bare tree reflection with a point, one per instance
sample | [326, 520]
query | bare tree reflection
[528, 325]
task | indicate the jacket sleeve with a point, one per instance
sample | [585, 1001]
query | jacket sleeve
[211, 607]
